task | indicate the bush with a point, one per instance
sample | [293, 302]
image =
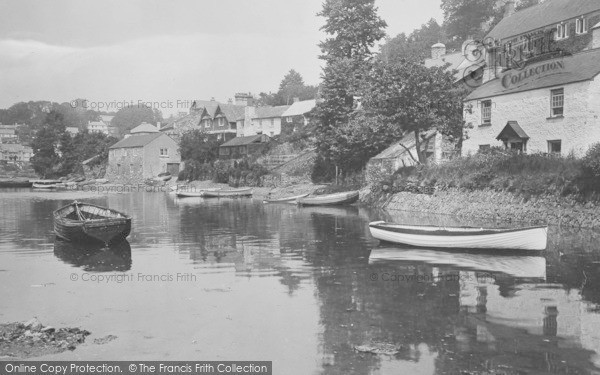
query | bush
[591, 161]
[323, 170]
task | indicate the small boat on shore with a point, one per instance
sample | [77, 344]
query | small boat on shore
[430, 236]
[83, 222]
[193, 192]
[47, 184]
[244, 192]
[15, 183]
[347, 197]
[286, 199]
[165, 176]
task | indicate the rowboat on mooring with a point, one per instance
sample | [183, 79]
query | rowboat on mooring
[84, 222]
[244, 192]
[15, 183]
[47, 184]
[192, 192]
[286, 199]
[347, 197]
[430, 236]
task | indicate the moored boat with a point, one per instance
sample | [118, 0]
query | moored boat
[83, 222]
[193, 192]
[347, 197]
[292, 199]
[244, 192]
[527, 238]
[47, 184]
[15, 183]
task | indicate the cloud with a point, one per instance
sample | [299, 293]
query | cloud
[153, 69]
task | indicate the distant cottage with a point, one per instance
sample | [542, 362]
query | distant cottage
[142, 156]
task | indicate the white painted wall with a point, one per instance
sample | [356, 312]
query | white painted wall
[578, 129]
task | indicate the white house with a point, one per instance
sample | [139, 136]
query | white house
[552, 106]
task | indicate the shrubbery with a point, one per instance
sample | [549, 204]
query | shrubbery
[237, 174]
[500, 170]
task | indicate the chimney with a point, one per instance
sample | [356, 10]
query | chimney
[509, 8]
[243, 99]
[437, 51]
[596, 36]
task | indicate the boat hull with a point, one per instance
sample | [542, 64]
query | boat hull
[330, 199]
[15, 183]
[286, 200]
[529, 239]
[227, 193]
[108, 231]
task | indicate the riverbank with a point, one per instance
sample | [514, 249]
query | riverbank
[492, 205]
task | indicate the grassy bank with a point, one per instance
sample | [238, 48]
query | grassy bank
[498, 170]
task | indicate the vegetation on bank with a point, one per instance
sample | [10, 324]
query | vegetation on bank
[501, 170]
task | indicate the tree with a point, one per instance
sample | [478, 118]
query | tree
[523, 4]
[199, 146]
[129, 117]
[353, 28]
[45, 160]
[463, 19]
[411, 98]
[292, 86]
[417, 44]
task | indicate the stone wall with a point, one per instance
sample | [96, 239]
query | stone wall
[499, 206]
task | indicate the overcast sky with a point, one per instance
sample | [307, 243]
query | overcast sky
[167, 51]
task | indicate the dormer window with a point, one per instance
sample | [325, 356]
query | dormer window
[562, 31]
[581, 26]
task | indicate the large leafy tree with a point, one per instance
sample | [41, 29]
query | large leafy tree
[411, 98]
[353, 27]
[45, 145]
[199, 146]
[464, 18]
[417, 44]
[292, 86]
[129, 117]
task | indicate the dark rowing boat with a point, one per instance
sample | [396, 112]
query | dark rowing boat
[84, 222]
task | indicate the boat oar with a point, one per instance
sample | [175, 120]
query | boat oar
[79, 214]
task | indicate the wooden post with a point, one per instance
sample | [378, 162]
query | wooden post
[336, 174]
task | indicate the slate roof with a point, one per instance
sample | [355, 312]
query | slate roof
[269, 112]
[136, 141]
[241, 141]
[185, 122]
[210, 106]
[580, 67]
[544, 14]
[144, 127]
[232, 112]
[397, 149]
[512, 128]
[300, 108]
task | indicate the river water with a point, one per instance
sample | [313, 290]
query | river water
[306, 288]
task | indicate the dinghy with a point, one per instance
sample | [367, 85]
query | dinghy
[286, 199]
[83, 222]
[47, 184]
[347, 197]
[193, 192]
[227, 193]
[528, 238]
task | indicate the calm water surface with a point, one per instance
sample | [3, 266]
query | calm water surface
[236, 279]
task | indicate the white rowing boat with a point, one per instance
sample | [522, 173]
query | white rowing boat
[193, 192]
[286, 199]
[347, 197]
[528, 238]
[227, 193]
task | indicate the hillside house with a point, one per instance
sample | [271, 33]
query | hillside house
[262, 120]
[143, 156]
[551, 104]
[295, 117]
[15, 153]
[242, 147]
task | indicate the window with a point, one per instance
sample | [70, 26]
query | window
[557, 101]
[164, 152]
[486, 112]
[221, 121]
[484, 147]
[272, 134]
[260, 123]
[554, 147]
[224, 150]
[272, 122]
[288, 119]
[562, 31]
[581, 26]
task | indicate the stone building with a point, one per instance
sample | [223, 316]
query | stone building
[144, 156]
[549, 105]
[262, 120]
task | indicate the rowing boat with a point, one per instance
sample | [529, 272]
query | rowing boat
[286, 199]
[84, 222]
[47, 184]
[227, 193]
[527, 238]
[192, 192]
[347, 197]
[15, 183]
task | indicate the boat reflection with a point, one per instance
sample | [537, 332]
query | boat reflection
[94, 258]
[330, 210]
[518, 266]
